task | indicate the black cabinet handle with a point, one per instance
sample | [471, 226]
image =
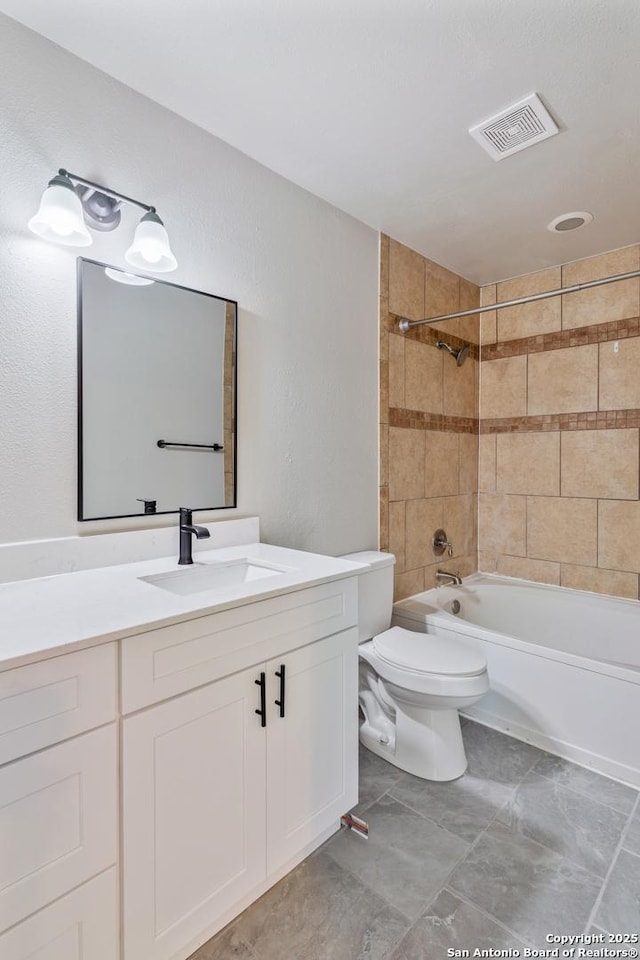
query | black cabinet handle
[262, 712]
[280, 703]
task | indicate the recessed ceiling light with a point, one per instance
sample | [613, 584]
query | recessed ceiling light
[570, 221]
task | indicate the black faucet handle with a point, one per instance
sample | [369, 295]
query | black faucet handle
[186, 516]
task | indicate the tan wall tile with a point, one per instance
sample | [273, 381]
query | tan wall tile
[397, 534]
[463, 566]
[384, 341]
[563, 529]
[408, 584]
[469, 327]
[441, 463]
[423, 377]
[502, 524]
[531, 319]
[487, 561]
[488, 320]
[430, 576]
[406, 463]
[476, 403]
[384, 266]
[601, 304]
[459, 387]
[615, 301]
[383, 528]
[528, 463]
[540, 571]
[468, 565]
[459, 521]
[396, 370]
[600, 463]
[406, 282]
[595, 580]
[619, 535]
[423, 518]
[620, 374]
[468, 463]
[384, 455]
[563, 381]
[608, 264]
[487, 463]
[503, 388]
[441, 295]
[384, 391]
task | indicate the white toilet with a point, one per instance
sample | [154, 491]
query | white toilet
[411, 684]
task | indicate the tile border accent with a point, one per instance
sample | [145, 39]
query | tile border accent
[560, 339]
[429, 335]
[592, 420]
[418, 420]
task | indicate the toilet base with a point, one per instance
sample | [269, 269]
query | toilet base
[427, 743]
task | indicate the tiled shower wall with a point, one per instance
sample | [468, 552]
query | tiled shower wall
[428, 420]
[559, 422]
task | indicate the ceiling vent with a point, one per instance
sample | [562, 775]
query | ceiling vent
[515, 128]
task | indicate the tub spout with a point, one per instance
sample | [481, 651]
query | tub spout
[443, 576]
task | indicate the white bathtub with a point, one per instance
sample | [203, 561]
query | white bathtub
[564, 665]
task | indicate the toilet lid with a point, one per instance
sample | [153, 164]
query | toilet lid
[425, 653]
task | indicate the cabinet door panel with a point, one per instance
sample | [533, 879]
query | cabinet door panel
[194, 820]
[58, 821]
[81, 926]
[312, 753]
[51, 700]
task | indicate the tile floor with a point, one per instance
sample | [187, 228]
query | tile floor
[524, 844]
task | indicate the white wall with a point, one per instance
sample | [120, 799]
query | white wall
[305, 276]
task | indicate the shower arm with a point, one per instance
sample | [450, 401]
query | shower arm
[406, 325]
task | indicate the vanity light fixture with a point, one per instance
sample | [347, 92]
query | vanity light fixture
[70, 204]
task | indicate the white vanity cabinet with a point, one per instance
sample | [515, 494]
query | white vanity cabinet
[156, 780]
[216, 805]
[193, 814]
[59, 808]
[312, 752]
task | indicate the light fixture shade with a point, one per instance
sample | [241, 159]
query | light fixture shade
[150, 249]
[59, 217]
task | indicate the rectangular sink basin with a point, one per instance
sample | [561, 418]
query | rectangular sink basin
[213, 576]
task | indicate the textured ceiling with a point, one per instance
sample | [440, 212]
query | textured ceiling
[367, 103]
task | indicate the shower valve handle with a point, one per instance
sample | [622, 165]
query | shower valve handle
[440, 543]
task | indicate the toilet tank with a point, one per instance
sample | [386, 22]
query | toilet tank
[375, 592]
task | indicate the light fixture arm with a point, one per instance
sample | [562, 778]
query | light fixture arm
[105, 190]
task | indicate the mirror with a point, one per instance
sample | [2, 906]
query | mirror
[156, 396]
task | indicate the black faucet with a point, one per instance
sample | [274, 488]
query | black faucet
[187, 528]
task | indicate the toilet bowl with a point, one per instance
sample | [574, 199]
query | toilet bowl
[411, 684]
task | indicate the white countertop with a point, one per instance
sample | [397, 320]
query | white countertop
[48, 616]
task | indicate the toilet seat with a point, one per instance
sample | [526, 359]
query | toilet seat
[427, 654]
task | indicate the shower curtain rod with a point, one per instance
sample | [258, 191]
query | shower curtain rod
[407, 324]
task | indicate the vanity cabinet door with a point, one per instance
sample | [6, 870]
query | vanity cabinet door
[58, 821]
[312, 752]
[83, 925]
[193, 815]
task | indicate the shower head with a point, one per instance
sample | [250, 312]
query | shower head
[458, 355]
